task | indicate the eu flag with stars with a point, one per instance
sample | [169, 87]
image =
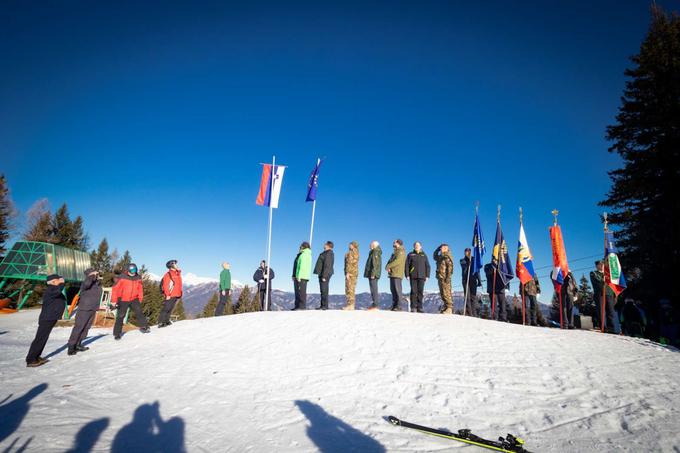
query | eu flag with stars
[313, 183]
[478, 247]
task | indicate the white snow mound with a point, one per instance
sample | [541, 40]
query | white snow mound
[323, 381]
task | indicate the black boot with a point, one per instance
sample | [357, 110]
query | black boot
[72, 349]
[81, 348]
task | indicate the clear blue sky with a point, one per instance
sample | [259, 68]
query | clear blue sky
[150, 120]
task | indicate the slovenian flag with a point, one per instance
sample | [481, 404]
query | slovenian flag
[478, 247]
[501, 257]
[613, 274]
[270, 185]
[313, 183]
[525, 263]
[560, 265]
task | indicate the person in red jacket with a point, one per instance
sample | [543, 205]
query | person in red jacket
[128, 293]
[172, 291]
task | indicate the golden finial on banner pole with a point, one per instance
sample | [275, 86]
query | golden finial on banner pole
[554, 213]
[606, 222]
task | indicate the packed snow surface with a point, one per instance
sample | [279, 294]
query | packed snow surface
[323, 381]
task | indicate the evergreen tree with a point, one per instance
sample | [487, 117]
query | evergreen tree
[179, 311]
[67, 232]
[124, 261]
[39, 223]
[246, 302]
[7, 216]
[646, 135]
[209, 308]
[585, 301]
[555, 307]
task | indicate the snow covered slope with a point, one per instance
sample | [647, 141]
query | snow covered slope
[323, 381]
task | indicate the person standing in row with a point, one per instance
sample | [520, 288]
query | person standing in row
[324, 269]
[611, 321]
[90, 296]
[128, 293]
[225, 289]
[172, 290]
[532, 289]
[263, 274]
[569, 293]
[395, 271]
[417, 271]
[442, 257]
[351, 274]
[53, 306]
[496, 292]
[471, 282]
[302, 269]
[372, 273]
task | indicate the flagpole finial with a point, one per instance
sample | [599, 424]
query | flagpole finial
[554, 213]
[477, 207]
[520, 214]
[499, 213]
[606, 222]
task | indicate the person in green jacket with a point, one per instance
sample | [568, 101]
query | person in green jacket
[225, 288]
[372, 273]
[395, 270]
[302, 271]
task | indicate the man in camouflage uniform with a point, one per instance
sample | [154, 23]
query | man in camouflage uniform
[351, 274]
[442, 257]
[532, 289]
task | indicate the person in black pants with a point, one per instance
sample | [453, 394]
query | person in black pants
[88, 304]
[261, 275]
[417, 271]
[324, 269]
[496, 292]
[302, 269]
[472, 281]
[569, 293]
[127, 293]
[53, 306]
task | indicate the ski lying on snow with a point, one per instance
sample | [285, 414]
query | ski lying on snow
[509, 444]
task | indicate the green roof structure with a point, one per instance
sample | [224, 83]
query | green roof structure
[31, 262]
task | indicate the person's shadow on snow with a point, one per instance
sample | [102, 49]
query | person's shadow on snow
[88, 436]
[330, 434]
[149, 433]
[13, 413]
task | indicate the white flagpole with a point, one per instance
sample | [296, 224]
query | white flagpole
[269, 235]
[311, 228]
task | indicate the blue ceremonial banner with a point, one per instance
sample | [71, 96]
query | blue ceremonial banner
[313, 183]
[501, 259]
[478, 247]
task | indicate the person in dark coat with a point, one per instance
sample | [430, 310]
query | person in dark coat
[261, 276]
[569, 294]
[324, 269]
[372, 273]
[417, 271]
[611, 321]
[88, 304]
[472, 282]
[497, 293]
[53, 306]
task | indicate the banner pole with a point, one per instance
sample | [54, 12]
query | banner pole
[269, 235]
[604, 279]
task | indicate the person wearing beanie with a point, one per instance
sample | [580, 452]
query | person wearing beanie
[372, 272]
[324, 269]
[263, 274]
[53, 306]
[171, 285]
[90, 296]
[302, 269]
[126, 294]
